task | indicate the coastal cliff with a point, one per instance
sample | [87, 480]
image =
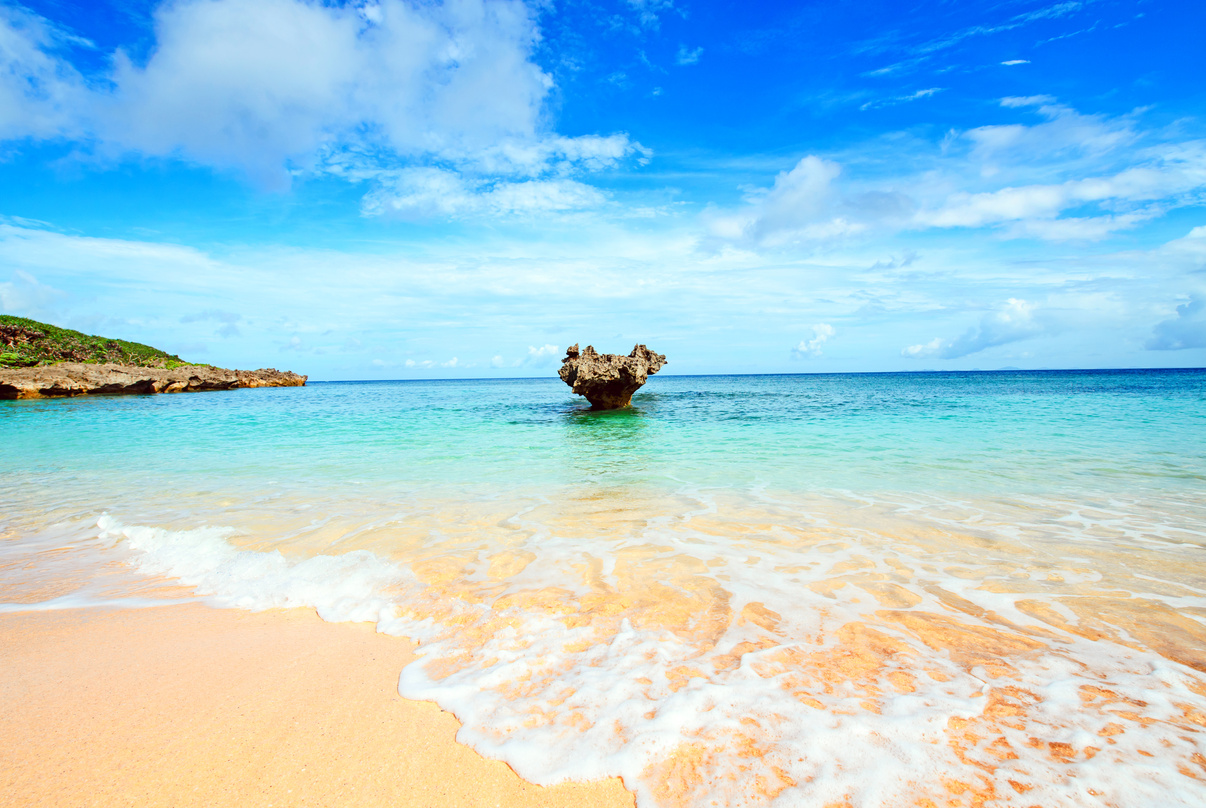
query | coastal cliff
[39, 360]
[77, 379]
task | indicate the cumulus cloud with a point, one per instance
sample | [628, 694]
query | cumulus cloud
[1187, 329]
[1015, 320]
[273, 87]
[930, 348]
[542, 355]
[800, 206]
[811, 348]
[1099, 179]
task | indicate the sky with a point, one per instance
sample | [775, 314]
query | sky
[462, 189]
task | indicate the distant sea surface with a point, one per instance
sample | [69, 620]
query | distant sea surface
[871, 589]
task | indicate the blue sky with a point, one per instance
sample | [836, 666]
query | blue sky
[461, 189]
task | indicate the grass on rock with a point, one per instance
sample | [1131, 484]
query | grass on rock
[27, 343]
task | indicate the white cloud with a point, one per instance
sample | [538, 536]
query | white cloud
[537, 356]
[1027, 100]
[934, 46]
[1159, 179]
[1012, 62]
[930, 348]
[1069, 177]
[1085, 228]
[260, 84]
[471, 299]
[544, 354]
[25, 294]
[1185, 329]
[688, 56]
[900, 99]
[1063, 134]
[429, 364]
[821, 333]
[1192, 247]
[1015, 320]
[40, 93]
[272, 87]
[798, 207]
[423, 193]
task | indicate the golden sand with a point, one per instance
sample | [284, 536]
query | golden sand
[191, 706]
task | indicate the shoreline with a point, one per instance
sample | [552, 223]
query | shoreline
[188, 705]
[71, 379]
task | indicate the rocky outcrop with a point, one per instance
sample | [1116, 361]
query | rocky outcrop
[609, 380]
[78, 379]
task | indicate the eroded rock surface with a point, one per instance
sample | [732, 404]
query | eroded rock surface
[78, 379]
[609, 380]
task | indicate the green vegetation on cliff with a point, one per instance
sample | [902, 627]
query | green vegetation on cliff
[26, 343]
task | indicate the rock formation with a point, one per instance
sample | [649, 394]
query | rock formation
[77, 379]
[609, 380]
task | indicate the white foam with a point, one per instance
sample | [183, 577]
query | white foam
[596, 696]
[342, 588]
[83, 601]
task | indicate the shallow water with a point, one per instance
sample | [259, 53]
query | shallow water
[980, 588]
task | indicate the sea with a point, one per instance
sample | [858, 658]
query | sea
[980, 588]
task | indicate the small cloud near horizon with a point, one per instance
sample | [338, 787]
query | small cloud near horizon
[811, 348]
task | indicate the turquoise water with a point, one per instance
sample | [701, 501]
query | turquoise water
[1009, 432]
[826, 569]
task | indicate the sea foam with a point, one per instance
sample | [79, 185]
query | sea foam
[723, 654]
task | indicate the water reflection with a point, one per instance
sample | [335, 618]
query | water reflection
[609, 446]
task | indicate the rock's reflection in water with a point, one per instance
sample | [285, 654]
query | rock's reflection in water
[610, 446]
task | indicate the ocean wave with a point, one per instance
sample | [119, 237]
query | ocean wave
[760, 648]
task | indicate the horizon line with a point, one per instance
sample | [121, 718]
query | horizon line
[813, 373]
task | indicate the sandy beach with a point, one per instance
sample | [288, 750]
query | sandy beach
[187, 705]
[790, 612]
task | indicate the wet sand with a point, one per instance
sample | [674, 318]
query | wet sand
[186, 705]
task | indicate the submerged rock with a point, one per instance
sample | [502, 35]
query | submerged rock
[78, 379]
[609, 380]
